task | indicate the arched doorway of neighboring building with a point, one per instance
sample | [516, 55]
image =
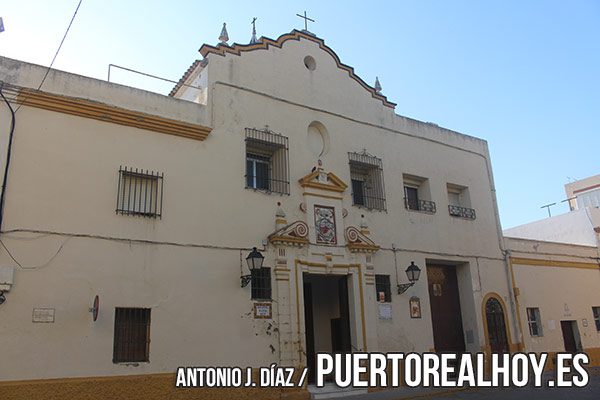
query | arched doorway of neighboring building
[496, 326]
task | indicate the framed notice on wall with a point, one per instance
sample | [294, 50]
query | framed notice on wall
[262, 310]
[415, 307]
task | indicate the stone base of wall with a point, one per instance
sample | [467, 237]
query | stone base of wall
[593, 353]
[142, 387]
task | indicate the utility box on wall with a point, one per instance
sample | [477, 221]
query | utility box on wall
[7, 275]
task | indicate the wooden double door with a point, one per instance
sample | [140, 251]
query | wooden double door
[446, 316]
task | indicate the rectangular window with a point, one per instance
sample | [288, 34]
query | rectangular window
[258, 171]
[417, 193]
[132, 335]
[366, 174]
[139, 193]
[261, 284]
[267, 165]
[383, 288]
[412, 197]
[534, 321]
[358, 192]
[459, 202]
[596, 312]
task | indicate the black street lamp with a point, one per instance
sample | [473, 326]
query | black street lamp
[412, 272]
[255, 261]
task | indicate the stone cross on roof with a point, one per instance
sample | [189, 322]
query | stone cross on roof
[253, 39]
[306, 19]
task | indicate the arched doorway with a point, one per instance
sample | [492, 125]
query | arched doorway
[496, 326]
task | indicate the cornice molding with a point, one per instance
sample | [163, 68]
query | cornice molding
[294, 234]
[334, 183]
[107, 113]
[264, 44]
[553, 263]
[358, 242]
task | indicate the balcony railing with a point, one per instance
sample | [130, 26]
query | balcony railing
[461, 212]
[420, 205]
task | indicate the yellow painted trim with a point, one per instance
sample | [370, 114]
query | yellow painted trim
[553, 263]
[288, 239]
[322, 186]
[362, 309]
[84, 379]
[323, 196]
[298, 311]
[336, 185]
[361, 246]
[106, 113]
[517, 305]
[149, 387]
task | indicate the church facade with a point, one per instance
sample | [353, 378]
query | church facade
[130, 220]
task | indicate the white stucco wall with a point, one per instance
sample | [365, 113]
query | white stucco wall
[64, 181]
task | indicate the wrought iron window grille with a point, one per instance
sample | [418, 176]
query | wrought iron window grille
[366, 174]
[261, 283]
[382, 285]
[267, 161]
[139, 192]
[461, 212]
[425, 206]
[132, 335]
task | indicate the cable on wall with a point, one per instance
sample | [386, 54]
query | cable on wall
[55, 54]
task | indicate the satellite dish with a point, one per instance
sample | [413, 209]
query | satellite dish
[95, 308]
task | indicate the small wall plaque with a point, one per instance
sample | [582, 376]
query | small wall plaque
[415, 307]
[385, 310]
[262, 310]
[45, 315]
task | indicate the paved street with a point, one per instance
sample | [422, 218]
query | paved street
[590, 392]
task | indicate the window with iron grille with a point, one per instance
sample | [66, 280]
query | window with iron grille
[267, 166]
[382, 285]
[366, 175]
[596, 312]
[132, 335]
[139, 193]
[261, 283]
[534, 321]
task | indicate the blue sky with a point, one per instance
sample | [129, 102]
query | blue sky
[524, 75]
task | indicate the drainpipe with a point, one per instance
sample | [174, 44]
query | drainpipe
[8, 154]
[505, 253]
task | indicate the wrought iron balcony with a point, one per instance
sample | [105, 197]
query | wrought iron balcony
[461, 212]
[420, 205]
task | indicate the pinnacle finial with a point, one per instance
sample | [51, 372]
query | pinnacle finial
[224, 37]
[253, 39]
[377, 85]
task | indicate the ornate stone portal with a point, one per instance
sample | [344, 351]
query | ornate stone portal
[321, 244]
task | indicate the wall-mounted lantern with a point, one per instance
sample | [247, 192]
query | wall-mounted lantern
[2, 297]
[255, 261]
[412, 272]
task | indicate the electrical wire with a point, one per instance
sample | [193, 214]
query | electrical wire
[8, 156]
[55, 54]
[38, 266]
